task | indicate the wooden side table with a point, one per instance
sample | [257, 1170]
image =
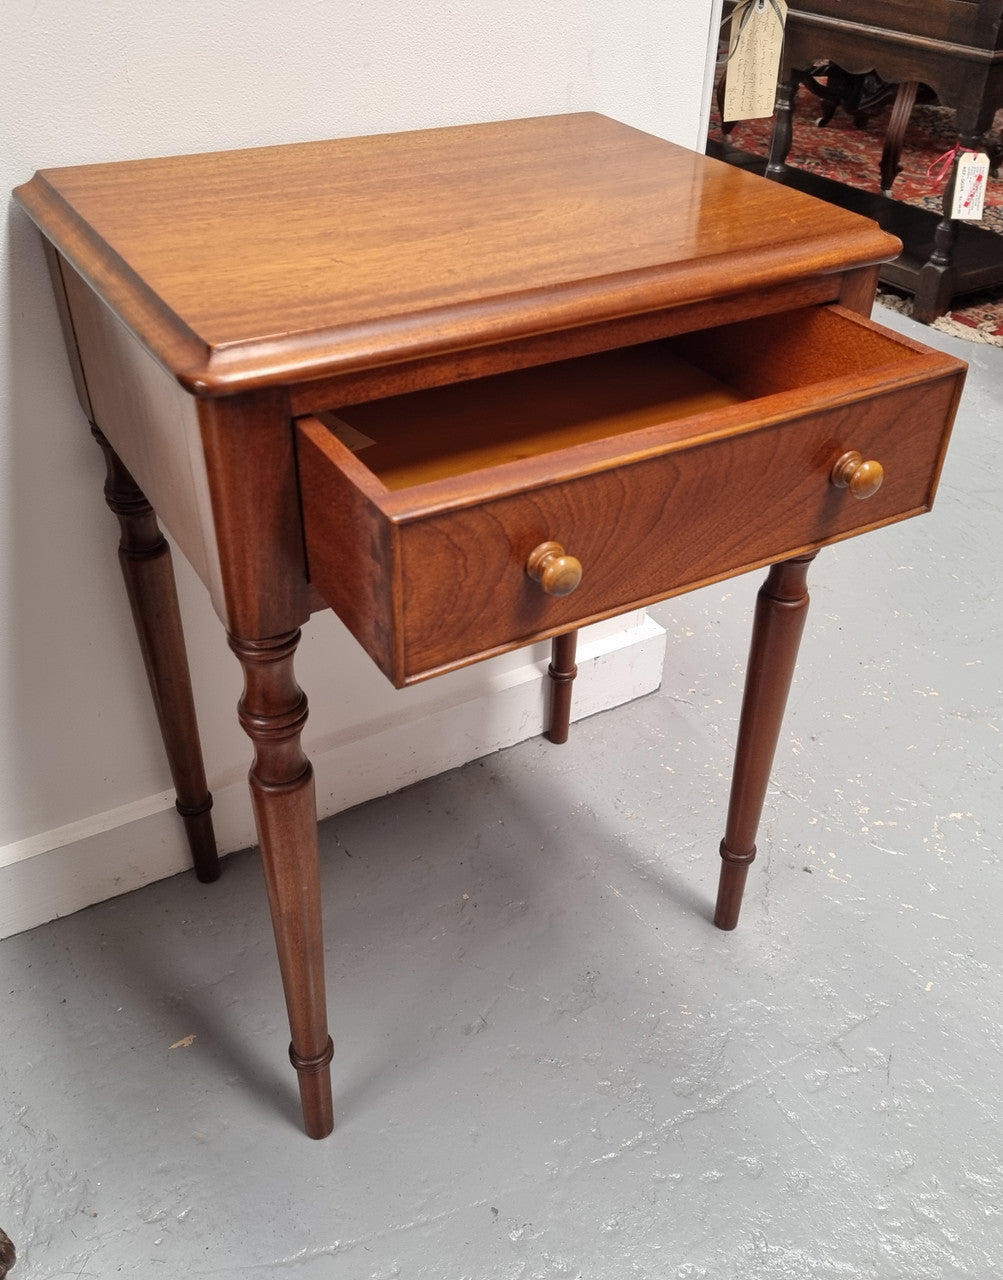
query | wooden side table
[471, 388]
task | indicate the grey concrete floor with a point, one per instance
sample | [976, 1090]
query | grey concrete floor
[549, 1063]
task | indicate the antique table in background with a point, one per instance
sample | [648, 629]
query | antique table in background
[955, 47]
[471, 387]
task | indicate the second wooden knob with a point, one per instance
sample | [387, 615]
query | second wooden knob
[861, 478]
[558, 574]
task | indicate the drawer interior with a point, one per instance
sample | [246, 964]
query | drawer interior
[423, 436]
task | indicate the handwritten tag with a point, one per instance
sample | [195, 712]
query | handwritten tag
[757, 39]
[970, 186]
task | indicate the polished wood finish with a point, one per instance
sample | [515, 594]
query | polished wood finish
[272, 712]
[863, 479]
[497, 232]
[413, 439]
[145, 559]
[376, 374]
[149, 420]
[557, 573]
[433, 576]
[858, 290]
[562, 672]
[781, 608]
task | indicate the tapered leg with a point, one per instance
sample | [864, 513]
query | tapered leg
[562, 672]
[776, 634]
[149, 580]
[273, 711]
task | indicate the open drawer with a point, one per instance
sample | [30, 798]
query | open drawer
[452, 523]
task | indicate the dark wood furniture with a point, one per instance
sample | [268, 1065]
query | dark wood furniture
[955, 47]
[863, 96]
[472, 387]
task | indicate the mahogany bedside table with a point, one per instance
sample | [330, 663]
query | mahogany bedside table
[471, 388]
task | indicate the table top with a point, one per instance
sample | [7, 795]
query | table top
[284, 264]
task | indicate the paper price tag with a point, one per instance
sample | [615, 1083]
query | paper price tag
[757, 40]
[970, 186]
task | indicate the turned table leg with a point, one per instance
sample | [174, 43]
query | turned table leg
[938, 277]
[936, 283]
[783, 129]
[562, 672]
[149, 580]
[781, 609]
[272, 712]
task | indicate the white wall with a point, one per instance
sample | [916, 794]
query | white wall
[88, 81]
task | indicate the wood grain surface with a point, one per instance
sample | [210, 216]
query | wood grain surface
[433, 575]
[284, 281]
[285, 264]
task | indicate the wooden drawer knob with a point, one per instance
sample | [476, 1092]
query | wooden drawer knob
[862, 478]
[557, 573]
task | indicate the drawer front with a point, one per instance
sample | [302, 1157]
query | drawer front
[427, 564]
[657, 527]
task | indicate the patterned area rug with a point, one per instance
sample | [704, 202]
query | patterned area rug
[850, 155]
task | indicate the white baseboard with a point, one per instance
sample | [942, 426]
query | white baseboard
[57, 872]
